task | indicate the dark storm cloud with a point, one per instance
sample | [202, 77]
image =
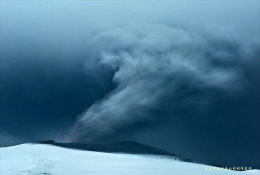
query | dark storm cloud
[46, 98]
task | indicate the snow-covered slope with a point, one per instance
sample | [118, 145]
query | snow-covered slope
[40, 159]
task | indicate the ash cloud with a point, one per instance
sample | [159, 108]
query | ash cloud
[160, 71]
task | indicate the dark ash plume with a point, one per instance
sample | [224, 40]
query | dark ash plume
[159, 71]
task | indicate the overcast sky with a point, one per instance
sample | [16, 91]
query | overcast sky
[185, 72]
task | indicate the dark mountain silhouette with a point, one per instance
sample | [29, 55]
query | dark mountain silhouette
[130, 147]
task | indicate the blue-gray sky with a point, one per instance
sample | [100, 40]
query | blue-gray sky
[185, 72]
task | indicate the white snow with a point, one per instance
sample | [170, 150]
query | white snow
[40, 159]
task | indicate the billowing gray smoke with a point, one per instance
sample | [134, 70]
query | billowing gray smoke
[160, 71]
